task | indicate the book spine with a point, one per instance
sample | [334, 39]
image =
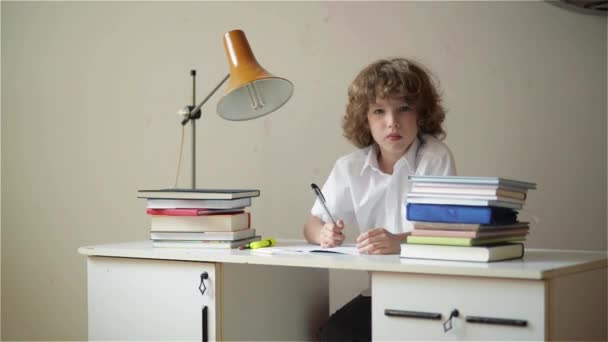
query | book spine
[445, 233]
[441, 187]
[446, 241]
[175, 212]
[192, 212]
[464, 202]
[448, 213]
[473, 197]
[159, 237]
[445, 226]
[202, 236]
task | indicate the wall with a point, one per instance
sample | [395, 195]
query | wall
[90, 91]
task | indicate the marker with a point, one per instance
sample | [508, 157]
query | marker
[260, 244]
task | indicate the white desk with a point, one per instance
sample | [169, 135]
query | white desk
[139, 292]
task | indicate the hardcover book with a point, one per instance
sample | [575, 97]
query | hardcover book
[511, 183]
[202, 236]
[465, 202]
[470, 233]
[198, 194]
[199, 204]
[192, 211]
[468, 226]
[456, 241]
[465, 189]
[474, 197]
[219, 244]
[460, 214]
[457, 253]
[207, 223]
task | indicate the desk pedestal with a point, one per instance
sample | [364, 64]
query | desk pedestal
[142, 299]
[405, 307]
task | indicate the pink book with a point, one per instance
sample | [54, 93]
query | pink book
[193, 212]
[470, 234]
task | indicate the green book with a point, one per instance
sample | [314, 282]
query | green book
[457, 241]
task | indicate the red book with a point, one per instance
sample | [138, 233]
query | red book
[193, 212]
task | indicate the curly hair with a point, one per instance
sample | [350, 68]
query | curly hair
[392, 77]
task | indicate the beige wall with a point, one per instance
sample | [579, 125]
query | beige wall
[90, 90]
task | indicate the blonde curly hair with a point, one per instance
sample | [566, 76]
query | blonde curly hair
[392, 77]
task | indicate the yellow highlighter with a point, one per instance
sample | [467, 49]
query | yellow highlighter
[261, 244]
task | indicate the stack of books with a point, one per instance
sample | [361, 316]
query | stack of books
[198, 218]
[466, 218]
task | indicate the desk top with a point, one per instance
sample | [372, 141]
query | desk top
[536, 264]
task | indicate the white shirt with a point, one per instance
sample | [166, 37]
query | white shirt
[358, 192]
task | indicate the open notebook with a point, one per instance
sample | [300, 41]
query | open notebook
[307, 248]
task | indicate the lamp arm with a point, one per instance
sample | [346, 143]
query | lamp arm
[196, 112]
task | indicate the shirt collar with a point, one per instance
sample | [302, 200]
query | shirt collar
[412, 153]
[371, 160]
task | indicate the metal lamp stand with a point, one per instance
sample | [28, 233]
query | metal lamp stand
[193, 113]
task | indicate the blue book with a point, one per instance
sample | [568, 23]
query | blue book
[460, 214]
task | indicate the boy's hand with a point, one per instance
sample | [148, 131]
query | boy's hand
[331, 234]
[380, 241]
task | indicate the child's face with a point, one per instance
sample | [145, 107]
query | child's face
[393, 124]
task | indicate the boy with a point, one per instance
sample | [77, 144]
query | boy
[394, 116]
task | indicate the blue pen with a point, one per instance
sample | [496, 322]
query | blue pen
[321, 198]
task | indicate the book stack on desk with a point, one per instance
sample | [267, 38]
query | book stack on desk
[200, 218]
[466, 218]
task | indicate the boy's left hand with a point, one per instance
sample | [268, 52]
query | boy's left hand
[380, 241]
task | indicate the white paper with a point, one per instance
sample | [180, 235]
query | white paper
[307, 248]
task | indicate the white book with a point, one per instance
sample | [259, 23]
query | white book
[476, 203]
[477, 191]
[465, 197]
[219, 244]
[205, 223]
[511, 183]
[203, 236]
[461, 253]
[198, 204]
[197, 194]
[468, 188]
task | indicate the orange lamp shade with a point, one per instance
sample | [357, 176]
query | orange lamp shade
[252, 91]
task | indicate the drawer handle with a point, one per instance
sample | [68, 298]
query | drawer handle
[412, 314]
[204, 327]
[202, 290]
[500, 321]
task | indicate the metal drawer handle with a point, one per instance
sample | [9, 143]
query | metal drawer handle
[204, 320]
[500, 321]
[202, 290]
[412, 314]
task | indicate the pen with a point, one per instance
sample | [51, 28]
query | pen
[321, 198]
[260, 244]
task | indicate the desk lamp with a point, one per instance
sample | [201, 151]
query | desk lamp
[252, 91]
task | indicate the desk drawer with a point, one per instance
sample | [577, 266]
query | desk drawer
[414, 307]
[142, 299]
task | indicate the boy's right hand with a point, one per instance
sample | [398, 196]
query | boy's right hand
[331, 235]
